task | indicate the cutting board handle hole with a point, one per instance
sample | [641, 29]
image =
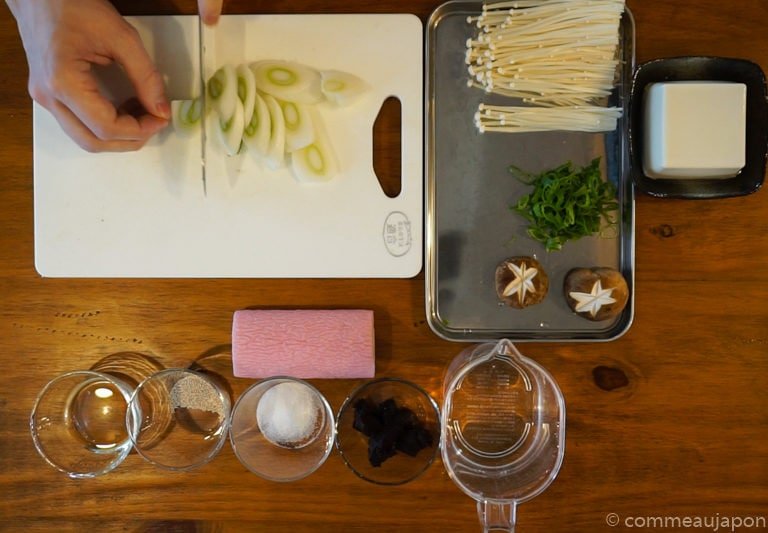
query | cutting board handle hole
[387, 146]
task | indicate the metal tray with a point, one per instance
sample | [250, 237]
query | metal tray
[469, 226]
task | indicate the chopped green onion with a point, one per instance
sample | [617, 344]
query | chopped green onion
[566, 203]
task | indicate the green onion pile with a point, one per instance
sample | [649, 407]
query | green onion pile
[566, 203]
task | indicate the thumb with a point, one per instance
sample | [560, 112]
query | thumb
[146, 80]
[210, 10]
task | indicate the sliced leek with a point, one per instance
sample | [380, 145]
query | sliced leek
[222, 91]
[231, 131]
[341, 88]
[315, 163]
[298, 126]
[285, 80]
[275, 157]
[246, 90]
[258, 130]
[186, 115]
[267, 106]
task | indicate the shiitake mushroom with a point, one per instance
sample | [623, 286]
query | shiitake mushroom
[519, 293]
[596, 293]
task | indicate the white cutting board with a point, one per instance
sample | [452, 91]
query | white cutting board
[144, 214]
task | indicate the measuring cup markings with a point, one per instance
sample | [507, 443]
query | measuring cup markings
[459, 435]
[519, 464]
[492, 404]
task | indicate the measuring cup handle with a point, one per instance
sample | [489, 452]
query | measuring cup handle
[497, 516]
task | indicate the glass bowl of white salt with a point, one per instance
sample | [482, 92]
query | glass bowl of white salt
[282, 429]
[178, 419]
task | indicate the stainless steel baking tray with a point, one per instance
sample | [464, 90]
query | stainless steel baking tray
[469, 226]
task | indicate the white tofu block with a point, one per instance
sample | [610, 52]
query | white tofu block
[695, 129]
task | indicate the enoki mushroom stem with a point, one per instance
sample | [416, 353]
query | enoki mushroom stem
[558, 55]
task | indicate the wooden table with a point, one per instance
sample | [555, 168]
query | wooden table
[685, 435]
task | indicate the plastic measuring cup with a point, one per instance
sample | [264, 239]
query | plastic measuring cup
[503, 430]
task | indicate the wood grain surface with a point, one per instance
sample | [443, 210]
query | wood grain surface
[670, 420]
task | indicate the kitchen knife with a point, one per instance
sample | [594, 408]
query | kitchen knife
[203, 101]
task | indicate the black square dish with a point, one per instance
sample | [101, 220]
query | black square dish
[751, 176]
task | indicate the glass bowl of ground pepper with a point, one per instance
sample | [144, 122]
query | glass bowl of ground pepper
[388, 431]
[178, 418]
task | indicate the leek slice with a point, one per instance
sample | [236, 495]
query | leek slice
[231, 130]
[276, 150]
[258, 130]
[222, 91]
[315, 163]
[186, 115]
[341, 88]
[288, 81]
[298, 126]
[246, 90]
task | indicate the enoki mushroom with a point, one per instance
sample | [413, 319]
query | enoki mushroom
[558, 55]
[572, 118]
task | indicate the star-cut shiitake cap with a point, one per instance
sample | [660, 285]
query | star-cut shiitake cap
[596, 293]
[521, 281]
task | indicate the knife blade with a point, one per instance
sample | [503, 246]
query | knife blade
[203, 102]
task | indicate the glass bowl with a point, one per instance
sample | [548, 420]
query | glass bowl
[78, 423]
[178, 419]
[282, 429]
[401, 422]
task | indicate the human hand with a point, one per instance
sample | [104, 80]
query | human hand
[210, 10]
[63, 39]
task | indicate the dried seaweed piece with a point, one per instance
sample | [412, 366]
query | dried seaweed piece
[390, 428]
[367, 419]
[413, 440]
[382, 446]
